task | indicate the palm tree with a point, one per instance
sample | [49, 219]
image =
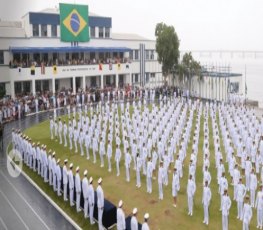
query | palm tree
[190, 68]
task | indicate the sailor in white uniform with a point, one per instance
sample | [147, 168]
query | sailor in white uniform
[85, 193]
[71, 185]
[78, 189]
[91, 199]
[207, 195]
[121, 224]
[65, 180]
[100, 203]
[134, 221]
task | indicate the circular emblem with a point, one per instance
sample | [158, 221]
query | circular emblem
[14, 157]
[75, 22]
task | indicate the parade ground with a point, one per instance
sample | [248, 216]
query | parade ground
[163, 215]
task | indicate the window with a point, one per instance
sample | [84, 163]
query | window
[92, 55]
[92, 32]
[101, 32]
[147, 77]
[152, 75]
[152, 55]
[136, 78]
[75, 56]
[36, 57]
[107, 32]
[54, 31]
[136, 55]
[38, 86]
[93, 81]
[35, 30]
[45, 57]
[44, 30]
[147, 54]
[1, 57]
[131, 55]
[45, 84]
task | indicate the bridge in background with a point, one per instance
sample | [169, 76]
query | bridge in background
[242, 54]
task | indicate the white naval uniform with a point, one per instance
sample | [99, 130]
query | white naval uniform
[241, 192]
[253, 187]
[70, 136]
[78, 191]
[71, 187]
[121, 225]
[226, 204]
[65, 182]
[191, 187]
[100, 204]
[207, 195]
[50, 170]
[247, 215]
[127, 166]
[259, 206]
[160, 182]
[145, 226]
[85, 185]
[175, 184]
[134, 223]
[54, 166]
[91, 199]
[109, 155]
[65, 131]
[149, 173]
[117, 160]
[58, 176]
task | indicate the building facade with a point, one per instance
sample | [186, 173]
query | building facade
[33, 58]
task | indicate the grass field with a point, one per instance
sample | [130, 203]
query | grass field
[162, 214]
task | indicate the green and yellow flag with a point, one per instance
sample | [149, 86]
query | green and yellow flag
[74, 25]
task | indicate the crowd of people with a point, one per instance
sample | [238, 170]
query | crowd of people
[156, 141]
[16, 63]
[16, 108]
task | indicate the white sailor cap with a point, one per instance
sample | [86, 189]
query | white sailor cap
[146, 216]
[49, 151]
[134, 211]
[85, 173]
[77, 169]
[66, 161]
[90, 180]
[99, 180]
[120, 203]
[71, 165]
[53, 154]
[58, 161]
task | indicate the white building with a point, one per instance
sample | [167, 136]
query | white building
[36, 39]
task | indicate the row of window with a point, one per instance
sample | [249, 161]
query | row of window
[149, 55]
[103, 31]
[54, 56]
[147, 77]
[43, 30]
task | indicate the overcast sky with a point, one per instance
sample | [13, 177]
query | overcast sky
[200, 24]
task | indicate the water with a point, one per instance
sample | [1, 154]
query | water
[246, 63]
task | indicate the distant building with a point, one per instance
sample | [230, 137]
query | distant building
[33, 57]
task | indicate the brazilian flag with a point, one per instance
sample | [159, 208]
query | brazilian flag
[74, 25]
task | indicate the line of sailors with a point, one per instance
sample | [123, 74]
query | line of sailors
[46, 165]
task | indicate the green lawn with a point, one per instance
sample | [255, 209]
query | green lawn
[162, 214]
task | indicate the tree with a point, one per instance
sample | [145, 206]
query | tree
[167, 47]
[189, 68]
